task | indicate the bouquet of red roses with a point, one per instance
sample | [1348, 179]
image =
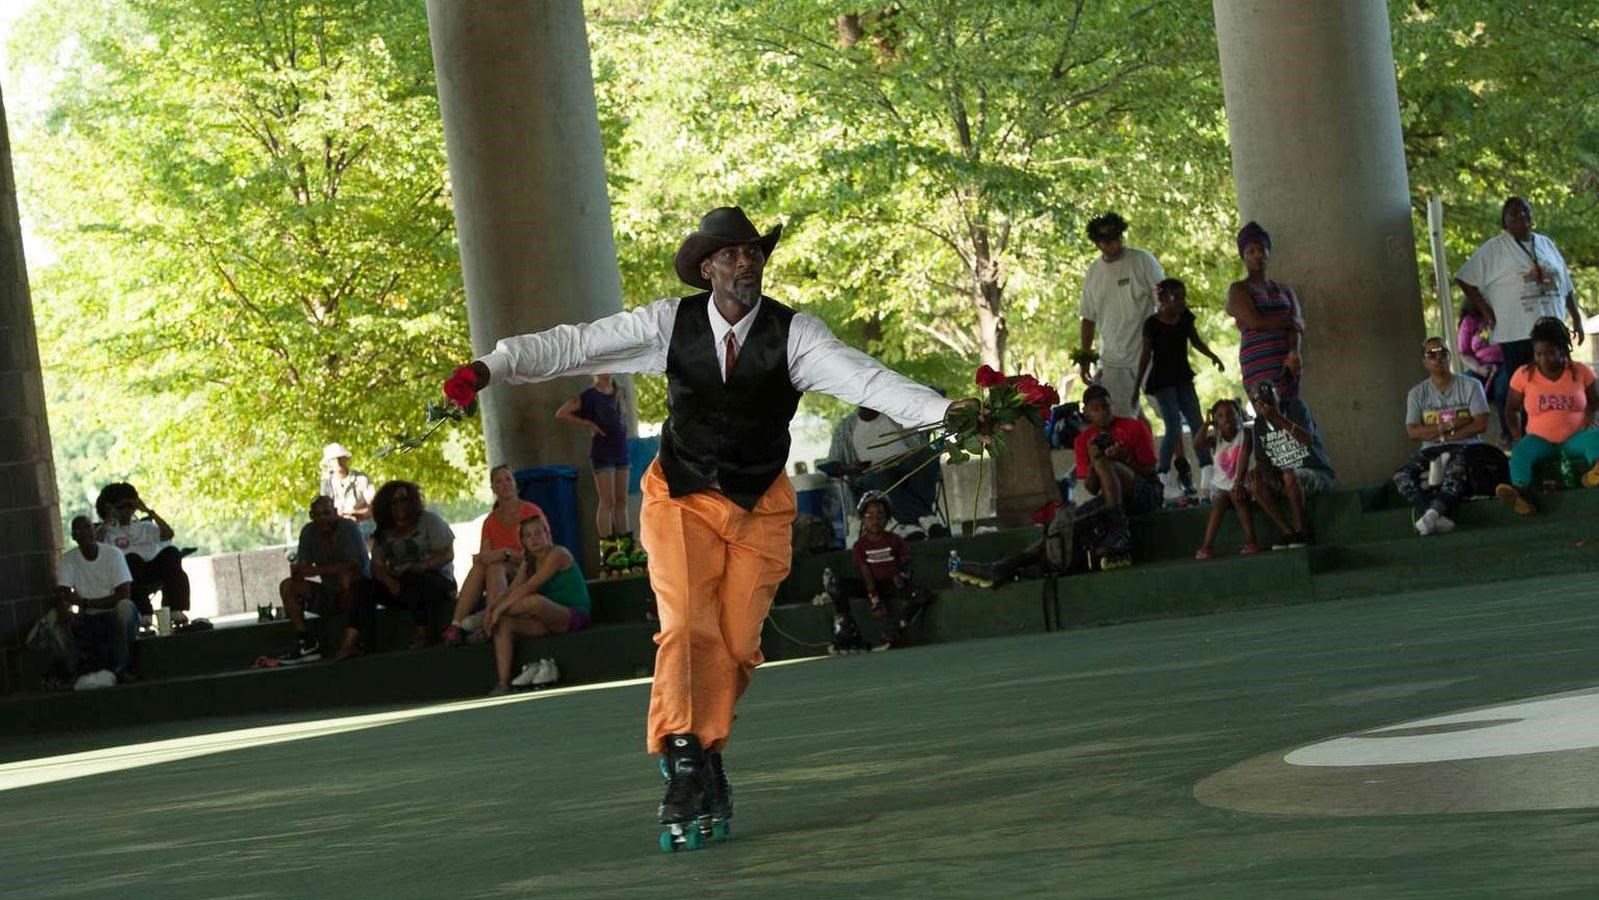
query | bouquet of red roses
[977, 425]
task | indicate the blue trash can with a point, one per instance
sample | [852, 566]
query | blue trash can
[822, 497]
[641, 452]
[554, 489]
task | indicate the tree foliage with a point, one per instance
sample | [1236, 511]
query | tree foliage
[255, 247]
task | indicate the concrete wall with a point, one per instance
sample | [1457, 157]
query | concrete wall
[30, 528]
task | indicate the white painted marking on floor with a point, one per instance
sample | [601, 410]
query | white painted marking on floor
[28, 772]
[1562, 722]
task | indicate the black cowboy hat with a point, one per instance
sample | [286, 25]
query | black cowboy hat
[721, 227]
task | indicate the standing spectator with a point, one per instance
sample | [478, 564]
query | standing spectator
[602, 410]
[1269, 317]
[1483, 359]
[350, 489]
[1515, 278]
[1447, 413]
[147, 545]
[549, 596]
[1560, 400]
[331, 550]
[1164, 372]
[1118, 295]
[95, 577]
[498, 556]
[1233, 442]
[1288, 460]
[413, 553]
[866, 438]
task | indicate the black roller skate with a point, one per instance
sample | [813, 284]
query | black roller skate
[846, 637]
[1115, 548]
[987, 574]
[718, 800]
[684, 813]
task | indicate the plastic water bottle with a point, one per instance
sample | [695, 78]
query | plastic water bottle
[1568, 471]
[954, 561]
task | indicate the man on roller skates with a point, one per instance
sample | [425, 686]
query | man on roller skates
[718, 507]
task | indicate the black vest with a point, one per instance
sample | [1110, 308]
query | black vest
[732, 435]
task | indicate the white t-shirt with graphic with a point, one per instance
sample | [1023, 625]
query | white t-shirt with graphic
[1117, 297]
[1227, 455]
[1502, 268]
[141, 538]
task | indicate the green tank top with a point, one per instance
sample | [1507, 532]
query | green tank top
[568, 588]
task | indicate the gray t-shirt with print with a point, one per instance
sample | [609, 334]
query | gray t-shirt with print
[1458, 404]
[430, 535]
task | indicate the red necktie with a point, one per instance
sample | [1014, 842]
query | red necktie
[732, 354]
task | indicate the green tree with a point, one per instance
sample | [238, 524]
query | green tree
[935, 162]
[249, 203]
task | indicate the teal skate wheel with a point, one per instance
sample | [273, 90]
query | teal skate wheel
[721, 831]
[668, 845]
[692, 839]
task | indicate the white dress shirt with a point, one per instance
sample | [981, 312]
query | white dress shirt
[636, 341]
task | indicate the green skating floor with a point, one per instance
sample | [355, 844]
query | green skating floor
[1054, 765]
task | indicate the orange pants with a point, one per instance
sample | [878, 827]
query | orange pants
[714, 567]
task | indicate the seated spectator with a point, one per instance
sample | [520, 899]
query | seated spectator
[156, 565]
[1288, 459]
[94, 577]
[1115, 457]
[332, 551]
[350, 489]
[499, 554]
[549, 596]
[413, 561]
[867, 438]
[883, 560]
[1482, 358]
[1225, 433]
[1560, 400]
[1164, 372]
[1447, 413]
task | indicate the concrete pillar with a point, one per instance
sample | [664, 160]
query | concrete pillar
[30, 520]
[1319, 160]
[533, 220]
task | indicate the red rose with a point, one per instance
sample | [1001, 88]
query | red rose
[1046, 512]
[988, 377]
[1026, 383]
[461, 387]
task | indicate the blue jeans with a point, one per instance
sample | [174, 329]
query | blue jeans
[1517, 354]
[1177, 403]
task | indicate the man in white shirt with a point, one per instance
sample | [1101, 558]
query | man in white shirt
[718, 507]
[147, 545]
[351, 489]
[1514, 279]
[866, 438]
[1118, 295]
[94, 577]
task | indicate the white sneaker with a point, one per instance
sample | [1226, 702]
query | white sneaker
[1428, 523]
[547, 674]
[1444, 525]
[1170, 489]
[527, 676]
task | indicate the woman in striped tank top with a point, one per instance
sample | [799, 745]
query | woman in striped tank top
[1269, 318]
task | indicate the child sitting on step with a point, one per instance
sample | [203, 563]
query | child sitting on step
[1225, 435]
[883, 560]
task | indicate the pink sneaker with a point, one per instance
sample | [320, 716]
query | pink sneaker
[1249, 550]
[454, 636]
[1202, 554]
